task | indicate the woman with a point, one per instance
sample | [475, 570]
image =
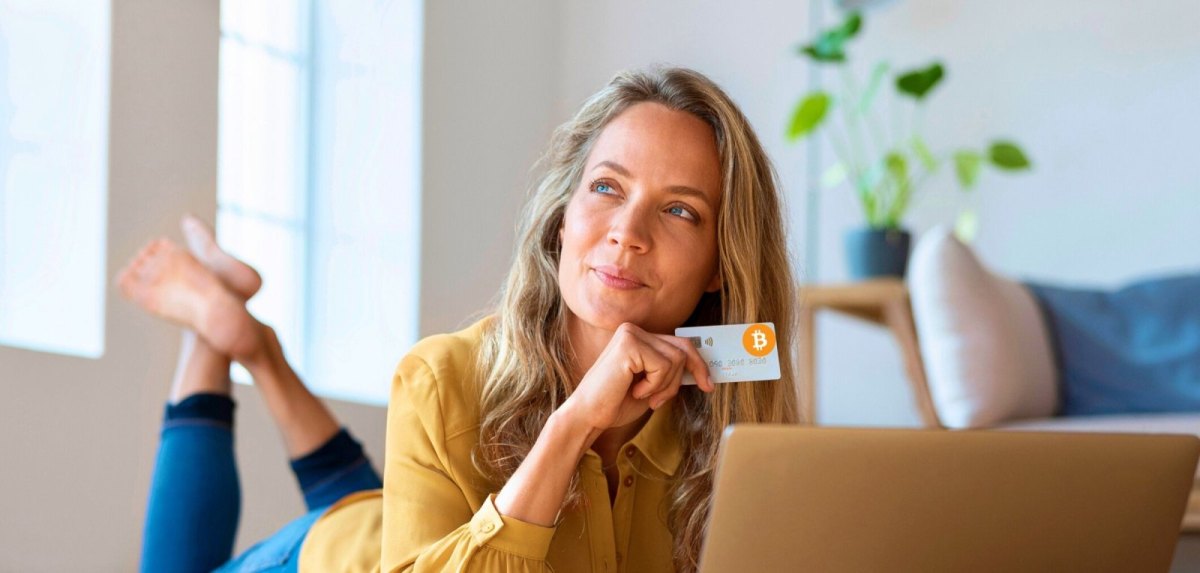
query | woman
[555, 434]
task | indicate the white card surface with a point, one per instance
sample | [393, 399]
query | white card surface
[735, 352]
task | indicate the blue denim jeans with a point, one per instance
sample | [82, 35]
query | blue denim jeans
[195, 497]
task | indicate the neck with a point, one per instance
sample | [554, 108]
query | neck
[587, 342]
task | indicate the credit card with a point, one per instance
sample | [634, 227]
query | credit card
[735, 352]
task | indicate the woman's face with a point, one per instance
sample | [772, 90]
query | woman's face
[639, 236]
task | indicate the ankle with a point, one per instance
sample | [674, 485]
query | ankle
[200, 369]
[265, 355]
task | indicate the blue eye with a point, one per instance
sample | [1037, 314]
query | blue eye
[601, 187]
[681, 212]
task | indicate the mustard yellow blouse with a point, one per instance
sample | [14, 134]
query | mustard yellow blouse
[436, 512]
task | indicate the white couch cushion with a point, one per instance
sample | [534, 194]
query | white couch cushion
[986, 349]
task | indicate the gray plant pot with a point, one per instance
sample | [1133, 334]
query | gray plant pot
[873, 253]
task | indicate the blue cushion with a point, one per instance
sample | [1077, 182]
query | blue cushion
[1132, 350]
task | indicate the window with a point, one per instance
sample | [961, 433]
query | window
[54, 73]
[318, 177]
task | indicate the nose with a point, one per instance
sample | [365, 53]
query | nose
[630, 228]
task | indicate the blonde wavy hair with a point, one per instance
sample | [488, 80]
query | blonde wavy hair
[526, 361]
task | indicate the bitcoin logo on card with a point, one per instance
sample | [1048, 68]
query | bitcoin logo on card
[759, 340]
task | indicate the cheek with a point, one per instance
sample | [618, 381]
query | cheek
[568, 240]
[578, 233]
[693, 259]
[572, 247]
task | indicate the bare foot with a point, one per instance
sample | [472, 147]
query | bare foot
[168, 282]
[238, 277]
[200, 369]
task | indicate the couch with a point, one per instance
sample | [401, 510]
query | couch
[990, 359]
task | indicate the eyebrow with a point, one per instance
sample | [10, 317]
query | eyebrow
[677, 189]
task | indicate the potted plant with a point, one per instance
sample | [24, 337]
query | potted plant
[885, 168]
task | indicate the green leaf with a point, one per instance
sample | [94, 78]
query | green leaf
[830, 45]
[1006, 155]
[852, 25]
[823, 53]
[967, 165]
[868, 97]
[809, 114]
[967, 226]
[834, 176]
[924, 155]
[897, 167]
[918, 83]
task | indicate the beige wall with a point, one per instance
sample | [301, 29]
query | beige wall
[489, 92]
[78, 436]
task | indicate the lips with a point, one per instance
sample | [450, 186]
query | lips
[618, 278]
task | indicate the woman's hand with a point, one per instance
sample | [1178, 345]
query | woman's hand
[636, 371]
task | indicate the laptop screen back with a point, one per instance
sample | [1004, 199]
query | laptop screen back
[791, 498]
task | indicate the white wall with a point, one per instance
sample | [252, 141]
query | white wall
[1101, 95]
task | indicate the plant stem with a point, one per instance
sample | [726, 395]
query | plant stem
[851, 111]
[894, 106]
[856, 145]
[872, 121]
[839, 149]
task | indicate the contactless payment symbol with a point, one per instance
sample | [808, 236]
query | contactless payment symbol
[759, 340]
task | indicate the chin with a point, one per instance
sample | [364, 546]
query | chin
[609, 316]
[612, 320]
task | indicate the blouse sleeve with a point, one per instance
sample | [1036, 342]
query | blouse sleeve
[428, 523]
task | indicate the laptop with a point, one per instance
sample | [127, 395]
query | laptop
[794, 498]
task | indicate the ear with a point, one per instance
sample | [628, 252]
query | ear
[714, 285]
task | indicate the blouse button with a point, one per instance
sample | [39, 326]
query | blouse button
[488, 528]
[628, 481]
[629, 452]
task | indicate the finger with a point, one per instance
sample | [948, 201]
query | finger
[648, 360]
[668, 391]
[695, 362]
[657, 399]
[671, 376]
